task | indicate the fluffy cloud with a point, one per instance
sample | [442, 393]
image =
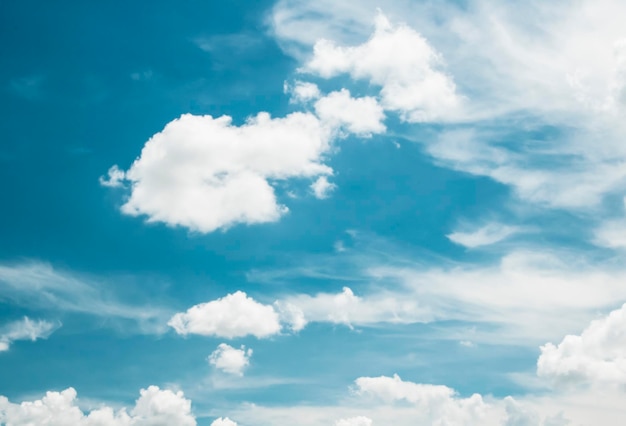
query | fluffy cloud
[223, 422]
[355, 421]
[402, 63]
[302, 91]
[361, 116]
[154, 407]
[235, 315]
[485, 235]
[25, 329]
[322, 187]
[204, 173]
[230, 360]
[597, 355]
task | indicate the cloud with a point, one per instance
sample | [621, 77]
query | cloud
[204, 173]
[611, 233]
[223, 422]
[37, 285]
[25, 329]
[360, 116]
[596, 356]
[115, 178]
[235, 315]
[483, 236]
[402, 63]
[302, 91]
[349, 309]
[230, 360]
[355, 421]
[322, 187]
[154, 407]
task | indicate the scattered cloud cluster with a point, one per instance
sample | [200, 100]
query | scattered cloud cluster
[230, 360]
[154, 407]
[402, 63]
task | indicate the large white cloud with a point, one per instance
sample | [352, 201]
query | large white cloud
[402, 63]
[155, 407]
[230, 360]
[235, 315]
[26, 329]
[596, 356]
[205, 173]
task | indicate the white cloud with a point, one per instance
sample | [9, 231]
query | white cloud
[611, 233]
[115, 178]
[154, 407]
[596, 356]
[485, 235]
[230, 360]
[205, 173]
[25, 329]
[402, 63]
[302, 91]
[39, 285]
[322, 187]
[223, 422]
[355, 421]
[235, 315]
[361, 116]
[349, 309]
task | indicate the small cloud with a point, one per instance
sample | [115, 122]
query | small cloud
[483, 236]
[223, 421]
[467, 343]
[302, 91]
[230, 360]
[322, 188]
[114, 179]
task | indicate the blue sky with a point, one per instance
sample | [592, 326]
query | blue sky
[293, 212]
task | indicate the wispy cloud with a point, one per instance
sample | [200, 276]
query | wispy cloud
[38, 286]
[26, 329]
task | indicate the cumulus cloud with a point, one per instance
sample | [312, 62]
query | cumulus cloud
[154, 407]
[230, 360]
[596, 356]
[361, 116]
[205, 173]
[302, 91]
[223, 421]
[26, 329]
[400, 61]
[322, 187]
[611, 233]
[483, 236]
[355, 421]
[235, 315]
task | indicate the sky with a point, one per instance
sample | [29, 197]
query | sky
[289, 212]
